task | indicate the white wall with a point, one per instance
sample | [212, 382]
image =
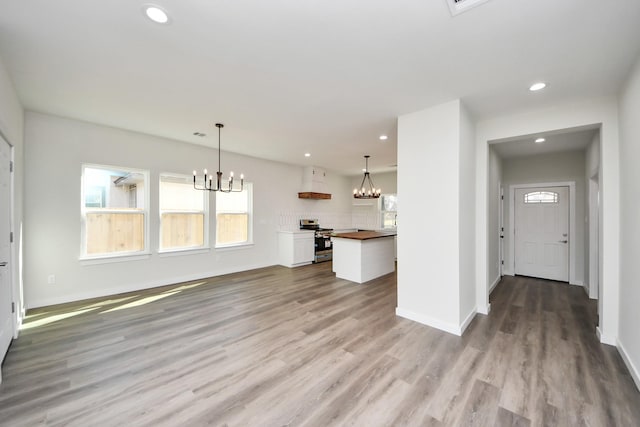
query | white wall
[55, 150]
[629, 338]
[495, 183]
[431, 262]
[553, 167]
[467, 201]
[11, 128]
[567, 115]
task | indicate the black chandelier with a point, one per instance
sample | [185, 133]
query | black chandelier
[369, 192]
[207, 182]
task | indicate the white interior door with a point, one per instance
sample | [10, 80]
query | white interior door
[6, 320]
[542, 232]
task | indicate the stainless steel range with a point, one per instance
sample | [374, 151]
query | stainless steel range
[323, 250]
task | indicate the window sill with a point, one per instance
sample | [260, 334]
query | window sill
[187, 251]
[106, 259]
[235, 247]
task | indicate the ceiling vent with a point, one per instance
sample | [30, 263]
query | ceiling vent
[459, 6]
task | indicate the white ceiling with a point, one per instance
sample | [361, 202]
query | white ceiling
[570, 140]
[327, 77]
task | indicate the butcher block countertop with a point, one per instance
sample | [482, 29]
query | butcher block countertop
[365, 235]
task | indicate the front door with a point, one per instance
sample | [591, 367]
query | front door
[542, 232]
[6, 320]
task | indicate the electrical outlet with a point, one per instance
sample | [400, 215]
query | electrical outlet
[51, 279]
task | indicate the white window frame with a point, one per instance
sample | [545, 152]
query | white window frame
[248, 187]
[382, 212]
[115, 256]
[188, 179]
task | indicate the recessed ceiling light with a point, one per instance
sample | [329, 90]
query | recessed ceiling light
[307, 154]
[537, 86]
[383, 137]
[540, 140]
[156, 14]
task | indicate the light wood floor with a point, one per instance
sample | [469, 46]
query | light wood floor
[280, 346]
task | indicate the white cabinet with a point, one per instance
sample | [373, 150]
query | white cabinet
[295, 248]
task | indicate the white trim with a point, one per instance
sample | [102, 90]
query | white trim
[508, 273]
[604, 339]
[585, 287]
[184, 251]
[484, 310]
[467, 321]
[572, 222]
[501, 265]
[577, 283]
[435, 323]
[141, 286]
[593, 243]
[234, 247]
[494, 284]
[129, 256]
[633, 370]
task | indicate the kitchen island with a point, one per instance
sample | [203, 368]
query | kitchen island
[361, 256]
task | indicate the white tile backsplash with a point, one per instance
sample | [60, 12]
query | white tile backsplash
[288, 221]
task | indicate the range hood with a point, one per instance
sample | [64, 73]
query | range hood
[313, 184]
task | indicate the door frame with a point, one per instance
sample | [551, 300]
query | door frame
[16, 289]
[572, 223]
[11, 268]
[594, 240]
[501, 266]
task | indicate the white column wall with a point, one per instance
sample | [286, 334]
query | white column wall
[467, 201]
[629, 338]
[568, 115]
[428, 184]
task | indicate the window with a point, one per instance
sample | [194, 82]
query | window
[183, 214]
[233, 217]
[389, 210]
[541, 197]
[114, 211]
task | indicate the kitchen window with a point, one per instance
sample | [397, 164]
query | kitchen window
[114, 211]
[233, 217]
[183, 214]
[389, 210]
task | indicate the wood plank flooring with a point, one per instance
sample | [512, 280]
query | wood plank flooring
[278, 346]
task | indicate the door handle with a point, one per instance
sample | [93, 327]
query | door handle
[563, 241]
[3, 264]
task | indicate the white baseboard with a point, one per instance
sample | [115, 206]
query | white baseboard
[635, 373]
[585, 287]
[577, 283]
[485, 309]
[98, 293]
[435, 323]
[494, 284]
[467, 321]
[507, 273]
[605, 339]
